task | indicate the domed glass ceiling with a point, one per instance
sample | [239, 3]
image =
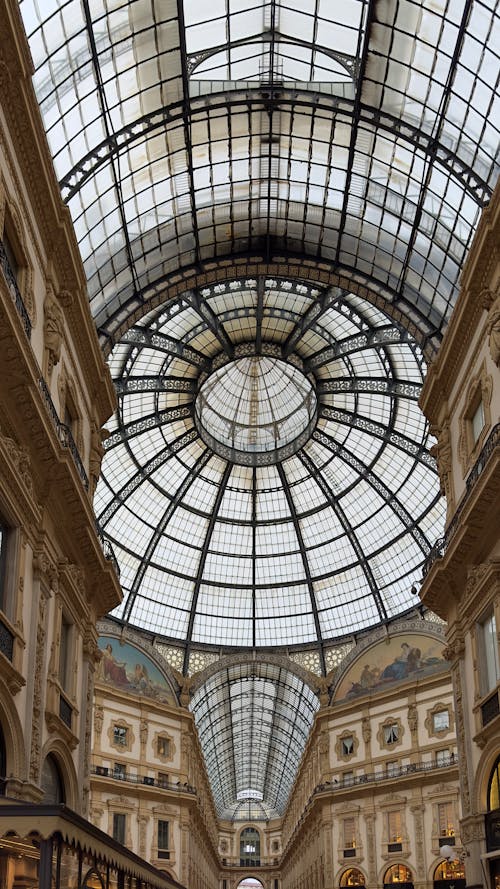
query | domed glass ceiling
[252, 410]
[311, 513]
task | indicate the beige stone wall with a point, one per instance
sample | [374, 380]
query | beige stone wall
[56, 578]
[463, 582]
[147, 766]
[341, 820]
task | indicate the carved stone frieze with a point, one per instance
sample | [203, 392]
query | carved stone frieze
[20, 457]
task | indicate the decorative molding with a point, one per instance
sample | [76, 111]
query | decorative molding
[429, 721]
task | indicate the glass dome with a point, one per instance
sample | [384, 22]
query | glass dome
[267, 479]
[256, 410]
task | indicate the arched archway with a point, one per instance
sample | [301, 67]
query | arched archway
[3, 762]
[449, 873]
[12, 740]
[492, 820]
[398, 874]
[351, 877]
[51, 781]
[60, 759]
[249, 847]
[250, 883]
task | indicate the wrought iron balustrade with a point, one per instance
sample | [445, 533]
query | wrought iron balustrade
[385, 775]
[65, 711]
[14, 290]
[6, 641]
[441, 545]
[64, 433]
[147, 780]
[107, 549]
[490, 708]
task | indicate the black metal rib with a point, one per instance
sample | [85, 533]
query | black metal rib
[142, 337]
[144, 473]
[378, 430]
[101, 93]
[186, 119]
[365, 339]
[151, 421]
[382, 385]
[132, 385]
[305, 562]
[259, 314]
[356, 117]
[156, 537]
[254, 554]
[148, 123]
[352, 537]
[206, 313]
[196, 59]
[378, 485]
[436, 130]
[203, 557]
[308, 320]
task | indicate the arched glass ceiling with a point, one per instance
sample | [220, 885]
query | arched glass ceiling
[234, 549]
[253, 722]
[358, 133]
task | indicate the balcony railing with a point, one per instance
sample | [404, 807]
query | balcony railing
[6, 641]
[14, 290]
[441, 545]
[64, 433]
[384, 775]
[147, 780]
[107, 549]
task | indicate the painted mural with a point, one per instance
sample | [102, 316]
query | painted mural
[392, 661]
[127, 668]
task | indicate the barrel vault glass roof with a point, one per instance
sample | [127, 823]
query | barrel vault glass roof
[253, 721]
[273, 202]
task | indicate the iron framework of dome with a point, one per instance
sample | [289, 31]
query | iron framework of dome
[295, 543]
[273, 197]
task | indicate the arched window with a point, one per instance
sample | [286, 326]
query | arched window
[494, 788]
[399, 874]
[492, 820]
[52, 783]
[352, 877]
[3, 763]
[249, 847]
[448, 874]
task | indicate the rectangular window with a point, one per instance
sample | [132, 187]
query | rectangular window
[443, 757]
[392, 768]
[446, 820]
[64, 653]
[441, 720]
[347, 745]
[349, 826]
[163, 832]
[119, 827]
[163, 747]
[391, 733]
[394, 827]
[120, 771]
[120, 735]
[477, 421]
[347, 778]
[162, 779]
[3, 564]
[10, 253]
[488, 644]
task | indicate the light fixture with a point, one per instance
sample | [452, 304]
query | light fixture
[453, 854]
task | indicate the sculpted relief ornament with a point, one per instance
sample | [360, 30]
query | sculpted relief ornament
[441, 452]
[491, 303]
[52, 328]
